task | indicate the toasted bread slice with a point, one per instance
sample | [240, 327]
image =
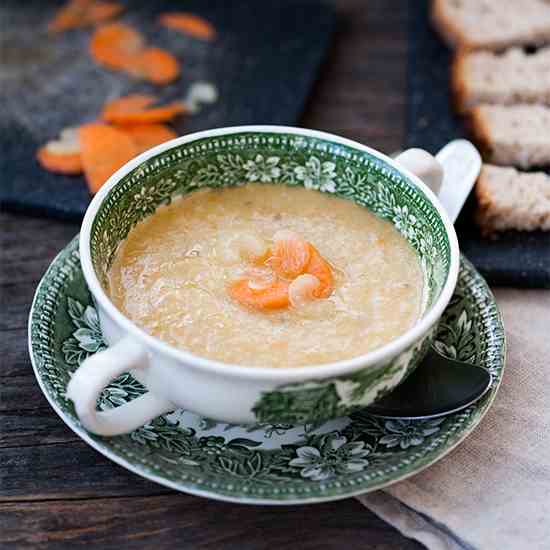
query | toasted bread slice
[491, 24]
[506, 79]
[514, 135]
[509, 199]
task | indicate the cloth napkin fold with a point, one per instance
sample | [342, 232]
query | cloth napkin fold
[493, 491]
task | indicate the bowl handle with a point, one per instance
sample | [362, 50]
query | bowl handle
[451, 174]
[95, 373]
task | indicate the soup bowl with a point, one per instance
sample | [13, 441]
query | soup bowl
[237, 393]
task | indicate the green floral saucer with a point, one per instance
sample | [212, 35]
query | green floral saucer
[263, 463]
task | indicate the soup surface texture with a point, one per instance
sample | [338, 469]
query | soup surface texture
[174, 273]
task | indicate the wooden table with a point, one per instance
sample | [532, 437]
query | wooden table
[55, 490]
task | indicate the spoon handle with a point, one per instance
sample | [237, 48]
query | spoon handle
[461, 165]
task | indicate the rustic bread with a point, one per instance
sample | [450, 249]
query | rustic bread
[513, 77]
[516, 135]
[508, 199]
[492, 24]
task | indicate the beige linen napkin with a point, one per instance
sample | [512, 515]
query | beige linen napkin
[493, 491]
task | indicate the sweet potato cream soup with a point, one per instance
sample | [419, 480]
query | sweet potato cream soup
[268, 276]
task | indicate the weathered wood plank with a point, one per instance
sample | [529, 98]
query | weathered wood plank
[33, 427]
[181, 521]
[15, 304]
[361, 93]
[66, 470]
[21, 393]
[14, 360]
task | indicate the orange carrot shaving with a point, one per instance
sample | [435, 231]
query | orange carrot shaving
[320, 268]
[102, 11]
[122, 48]
[155, 65]
[146, 136]
[190, 24]
[62, 155]
[82, 13]
[116, 46]
[274, 296]
[306, 276]
[59, 163]
[127, 104]
[104, 150]
[162, 113]
[69, 16]
[290, 257]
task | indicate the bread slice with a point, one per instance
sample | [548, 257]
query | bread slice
[492, 24]
[517, 135]
[513, 77]
[508, 199]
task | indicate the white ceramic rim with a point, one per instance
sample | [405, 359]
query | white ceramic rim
[285, 374]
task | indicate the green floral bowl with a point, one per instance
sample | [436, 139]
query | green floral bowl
[236, 393]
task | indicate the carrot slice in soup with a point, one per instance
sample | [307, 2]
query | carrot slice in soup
[320, 268]
[156, 65]
[116, 45]
[104, 150]
[272, 297]
[146, 136]
[290, 256]
[189, 23]
[127, 104]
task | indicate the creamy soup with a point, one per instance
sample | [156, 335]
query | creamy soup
[268, 276]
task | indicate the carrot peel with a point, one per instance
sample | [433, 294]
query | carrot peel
[104, 150]
[82, 13]
[146, 136]
[190, 24]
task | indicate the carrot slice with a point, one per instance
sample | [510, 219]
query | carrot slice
[62, 155]
[116, 46]
[101, 11]
[274, 296]
[81, 13]
[290, 256]
[59, 163]
[69, 16]
[122, 48]
[146, 136]
[148, 116]
[127, 104]
[156, 65]
[321, 269]
[104, 150]
[189, 23]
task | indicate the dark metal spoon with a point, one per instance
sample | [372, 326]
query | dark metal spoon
[438, 386]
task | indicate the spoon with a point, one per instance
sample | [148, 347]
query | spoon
[439, 385]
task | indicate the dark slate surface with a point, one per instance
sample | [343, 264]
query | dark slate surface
[264, 63]
[514, 258]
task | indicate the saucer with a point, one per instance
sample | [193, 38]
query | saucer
[261, 463]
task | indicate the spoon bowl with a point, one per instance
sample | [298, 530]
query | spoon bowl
[437, 387]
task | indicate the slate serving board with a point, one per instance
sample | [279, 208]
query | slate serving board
[514, 258]
[263, 63]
